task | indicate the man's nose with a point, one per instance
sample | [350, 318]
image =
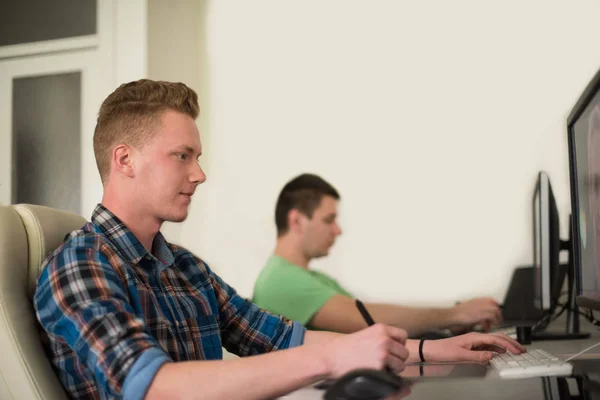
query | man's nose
[338, 229]
[198, 176]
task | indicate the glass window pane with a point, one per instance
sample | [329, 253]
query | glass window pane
[26, 21]
[47, 141]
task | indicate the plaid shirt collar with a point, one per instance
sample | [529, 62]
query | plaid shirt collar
[126, 242]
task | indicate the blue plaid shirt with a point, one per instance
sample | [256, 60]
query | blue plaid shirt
[112, 313]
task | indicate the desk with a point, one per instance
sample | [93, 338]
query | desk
[475, 381]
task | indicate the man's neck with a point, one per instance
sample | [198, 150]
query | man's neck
[291, 252]
[142, 226]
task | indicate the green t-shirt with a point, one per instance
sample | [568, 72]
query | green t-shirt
[292, 291]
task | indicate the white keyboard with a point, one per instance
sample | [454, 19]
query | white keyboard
[534, 362]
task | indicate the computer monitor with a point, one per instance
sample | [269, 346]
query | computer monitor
[549, 274]
[583, 126]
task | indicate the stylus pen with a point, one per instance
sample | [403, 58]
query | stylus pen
[369, 320]
[365, 314]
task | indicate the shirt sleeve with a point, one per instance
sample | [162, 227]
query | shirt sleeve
[246, 329]
[82, 301]
[142, 374]
[292, 292]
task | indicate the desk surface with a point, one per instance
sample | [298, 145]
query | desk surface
[470, 381]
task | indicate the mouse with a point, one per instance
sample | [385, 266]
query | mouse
[364, 384]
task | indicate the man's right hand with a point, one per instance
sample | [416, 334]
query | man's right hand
[375, 347]
[466, 315]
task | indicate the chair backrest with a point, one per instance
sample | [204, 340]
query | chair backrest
[28, 234]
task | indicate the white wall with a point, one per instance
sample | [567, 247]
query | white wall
[431, 118]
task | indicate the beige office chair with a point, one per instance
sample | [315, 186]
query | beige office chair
[27, 234]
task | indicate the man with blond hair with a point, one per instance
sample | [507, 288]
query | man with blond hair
[125, 314]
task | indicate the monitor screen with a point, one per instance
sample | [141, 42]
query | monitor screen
[541, 252]
[549, 274]
[584, 163]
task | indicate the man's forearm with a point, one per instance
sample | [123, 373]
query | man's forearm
[339, 314]
[319, 337]
[414, 320]
[257, 377]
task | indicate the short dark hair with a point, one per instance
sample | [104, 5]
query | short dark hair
[303, 193]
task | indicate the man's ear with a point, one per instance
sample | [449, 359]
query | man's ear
[295, 220]
[122, 160]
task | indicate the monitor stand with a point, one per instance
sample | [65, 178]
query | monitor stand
[571, 331]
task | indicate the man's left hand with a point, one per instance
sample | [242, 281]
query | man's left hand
[476, 347]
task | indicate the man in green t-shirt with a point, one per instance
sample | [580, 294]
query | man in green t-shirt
[305, 216]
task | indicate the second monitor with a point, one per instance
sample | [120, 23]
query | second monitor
[549, 272]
